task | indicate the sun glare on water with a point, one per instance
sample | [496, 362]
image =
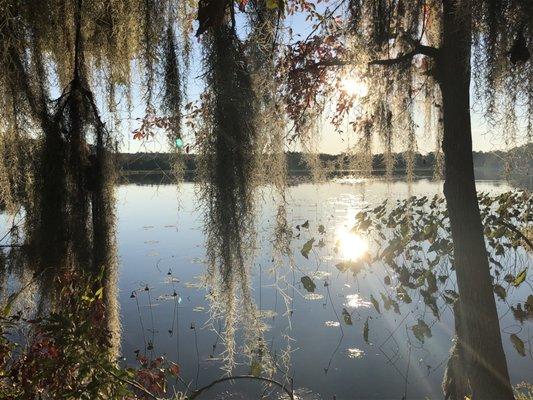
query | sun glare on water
[354, 87]
[351, 245]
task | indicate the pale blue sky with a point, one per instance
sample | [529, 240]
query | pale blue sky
[327, 142]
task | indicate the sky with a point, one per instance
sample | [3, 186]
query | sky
[327, 141]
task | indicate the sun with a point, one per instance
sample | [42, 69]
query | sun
[351, 245]
[354, 87]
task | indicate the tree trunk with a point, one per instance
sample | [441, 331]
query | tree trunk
[487, 369]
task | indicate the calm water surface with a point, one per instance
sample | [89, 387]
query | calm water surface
[161, 246]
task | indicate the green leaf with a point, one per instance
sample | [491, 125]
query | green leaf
[403, 295]
[321, 229]
[308, 283]
[518, 345]
[99, 294]
[431, 282]
[521, 277]
[365, 331]
[386, 302]
[421, 330]
[307, 247]
[375, 303]
[305, 224]
[273, 4]
[347, 317]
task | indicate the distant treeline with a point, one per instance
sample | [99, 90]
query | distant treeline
[519, 160]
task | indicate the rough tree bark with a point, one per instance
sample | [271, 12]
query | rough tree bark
[488, 375]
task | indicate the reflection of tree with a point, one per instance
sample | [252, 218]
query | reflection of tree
[65, 259]
[415, 246]
[411, 269]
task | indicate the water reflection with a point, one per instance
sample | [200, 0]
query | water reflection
[279, 309]
[351, 246]
[355, 353]
[356, 301]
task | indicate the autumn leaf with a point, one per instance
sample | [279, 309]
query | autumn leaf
[273, 4]
[174, 369]
[242, 5]
[521, 277]
[529, 304]
[500, 291]
[518, 345]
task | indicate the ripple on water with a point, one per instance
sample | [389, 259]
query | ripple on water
[356, 301]
[321, 275]
[354, 352]
[302, 394]
[313, 296]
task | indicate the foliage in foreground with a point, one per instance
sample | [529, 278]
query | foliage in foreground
[67, 353]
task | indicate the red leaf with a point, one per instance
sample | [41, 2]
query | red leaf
[242, 5]
[174, 369]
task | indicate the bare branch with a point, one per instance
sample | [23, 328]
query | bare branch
[427, 51]
[196, 393]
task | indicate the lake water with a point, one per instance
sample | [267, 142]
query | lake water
[161, 246]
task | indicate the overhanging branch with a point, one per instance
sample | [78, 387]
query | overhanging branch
[427, 51]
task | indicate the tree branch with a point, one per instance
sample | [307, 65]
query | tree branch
[515, 230]
[131, 383]
[427, 51]
[196, 393]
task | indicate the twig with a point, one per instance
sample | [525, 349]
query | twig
[322, 20]
[197, 393]
[132, 383]
[515, 230]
